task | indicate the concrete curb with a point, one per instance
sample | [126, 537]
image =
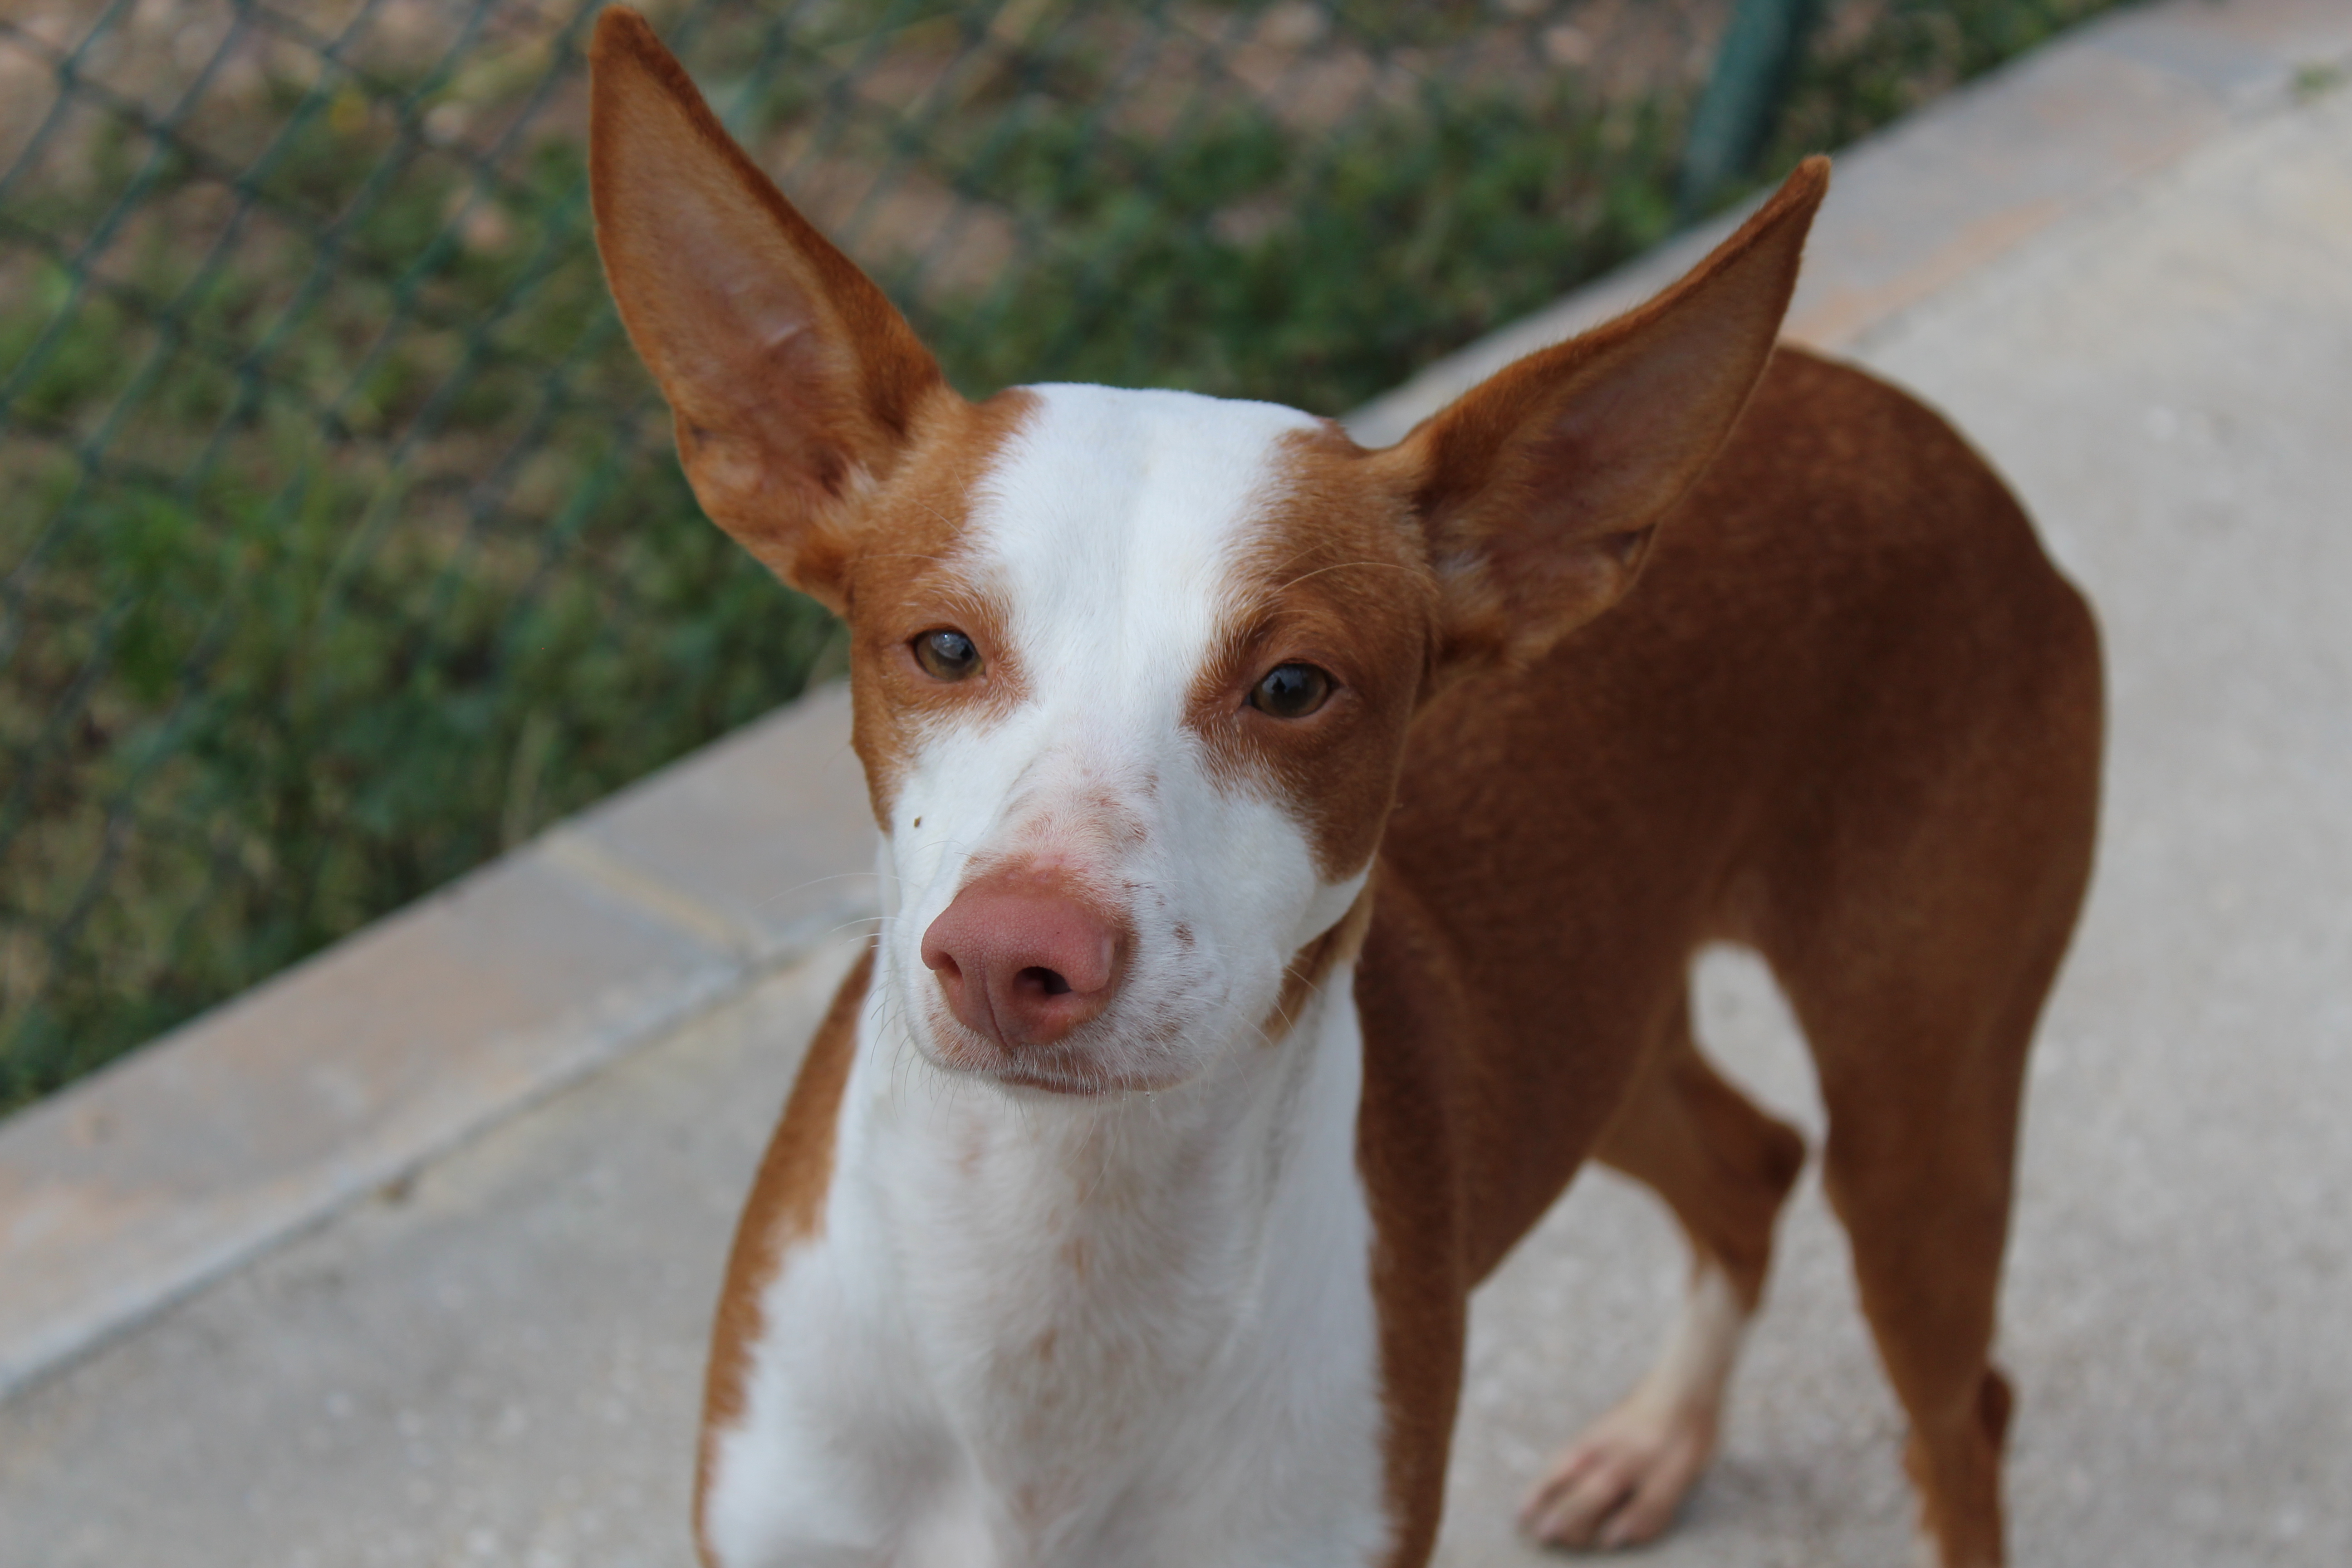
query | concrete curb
[223, 1140]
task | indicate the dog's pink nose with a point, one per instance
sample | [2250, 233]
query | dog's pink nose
[1023, 959]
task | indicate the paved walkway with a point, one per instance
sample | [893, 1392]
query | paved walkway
[495, 1358]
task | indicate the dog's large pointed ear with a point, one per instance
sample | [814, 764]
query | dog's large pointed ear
[795, 382]
[1541, 487]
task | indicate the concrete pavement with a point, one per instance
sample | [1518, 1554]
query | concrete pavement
[495, 1356]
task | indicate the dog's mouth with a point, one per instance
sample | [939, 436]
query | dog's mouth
[1087, 1068]
[1066, 1072]
[1062, 1083]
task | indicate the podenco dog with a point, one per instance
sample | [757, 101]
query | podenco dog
[1294, 877]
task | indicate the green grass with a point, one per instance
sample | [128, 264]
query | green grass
[341, 540]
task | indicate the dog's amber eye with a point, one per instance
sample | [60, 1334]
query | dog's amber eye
[1291, 691]
[947, 655]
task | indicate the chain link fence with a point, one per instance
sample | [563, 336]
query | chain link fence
[342, 545]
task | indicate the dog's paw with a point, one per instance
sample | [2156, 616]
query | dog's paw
[1619, 1484]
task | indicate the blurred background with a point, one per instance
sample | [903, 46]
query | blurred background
[342, 544]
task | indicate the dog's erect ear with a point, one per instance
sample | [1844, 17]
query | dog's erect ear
[1541, 489]
[794, 380]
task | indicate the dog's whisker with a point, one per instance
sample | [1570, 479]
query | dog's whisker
[1348, 566]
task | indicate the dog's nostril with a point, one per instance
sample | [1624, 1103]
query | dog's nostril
[1047, 980]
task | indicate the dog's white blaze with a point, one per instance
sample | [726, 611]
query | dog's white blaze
[1117, 1333]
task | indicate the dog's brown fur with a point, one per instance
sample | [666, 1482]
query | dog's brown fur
[1852, 717]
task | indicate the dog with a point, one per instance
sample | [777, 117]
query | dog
[1294, 877]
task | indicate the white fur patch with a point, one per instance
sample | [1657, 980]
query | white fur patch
[1134, 1332]
[1694, 1364]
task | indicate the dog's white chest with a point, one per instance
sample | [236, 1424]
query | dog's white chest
[1036, 1335]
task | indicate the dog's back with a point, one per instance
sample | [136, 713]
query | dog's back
[1860, 732]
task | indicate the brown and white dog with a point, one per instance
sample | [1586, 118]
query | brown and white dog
[1294, 878]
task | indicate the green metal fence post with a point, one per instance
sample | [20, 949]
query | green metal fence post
[1752, 71]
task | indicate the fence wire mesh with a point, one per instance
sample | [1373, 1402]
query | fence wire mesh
[342, 543]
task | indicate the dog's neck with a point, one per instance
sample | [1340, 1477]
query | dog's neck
[1087, 1278]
